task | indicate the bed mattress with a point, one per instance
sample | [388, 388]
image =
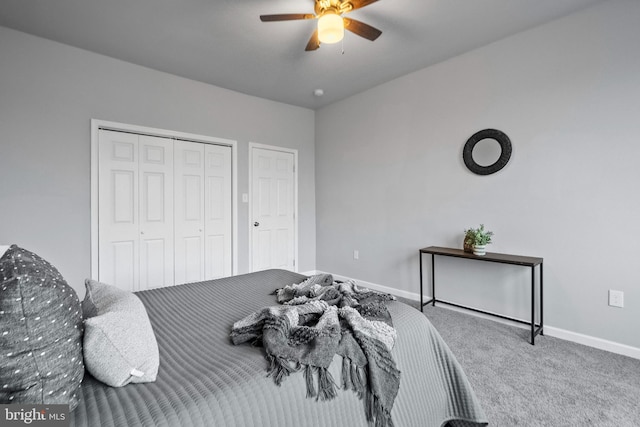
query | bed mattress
[205, 380]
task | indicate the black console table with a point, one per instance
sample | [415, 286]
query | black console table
[525, 261]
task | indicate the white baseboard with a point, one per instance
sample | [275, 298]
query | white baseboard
[310, 272]
[380, 288]
[599, 343]
[552, 331]
[397, 292]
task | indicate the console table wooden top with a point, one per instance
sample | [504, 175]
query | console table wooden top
[490, 256]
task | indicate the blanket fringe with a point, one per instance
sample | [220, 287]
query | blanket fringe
[353, 377]
[326, 385]
[359, 380]
[279, 368]
[308, 377]
[376, 414]
[346, 373]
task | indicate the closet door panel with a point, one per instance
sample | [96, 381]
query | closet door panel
[218, 211]
[122, 269]
[118, 225]
[189, 211]
[164, 210]
[192, 259]
[156, 212]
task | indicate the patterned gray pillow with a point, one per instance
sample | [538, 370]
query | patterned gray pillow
[119, 344]
[40, 332]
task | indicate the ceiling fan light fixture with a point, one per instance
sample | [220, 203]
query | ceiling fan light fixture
[330, 28]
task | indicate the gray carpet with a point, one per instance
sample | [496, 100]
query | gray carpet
[554, 383]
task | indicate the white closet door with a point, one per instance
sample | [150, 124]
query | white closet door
[156, 211]
[118, 225]
[217, 173]
[189, 211]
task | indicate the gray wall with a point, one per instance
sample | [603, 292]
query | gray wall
[390, 177]
[48, 94]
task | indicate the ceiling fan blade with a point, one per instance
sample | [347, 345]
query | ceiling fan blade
[314, 43]
[361, 29]
[286, 17]
[357, 4]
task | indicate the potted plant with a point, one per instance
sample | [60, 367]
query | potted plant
[482, 239]
[469, 240]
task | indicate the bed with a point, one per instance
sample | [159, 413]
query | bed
[204, 380]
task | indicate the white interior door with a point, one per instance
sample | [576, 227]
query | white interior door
[272, 209]
[189, 211]
[118, 225]
[156, 211]
[218, 211]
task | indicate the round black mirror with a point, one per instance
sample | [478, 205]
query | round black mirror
[487, 151]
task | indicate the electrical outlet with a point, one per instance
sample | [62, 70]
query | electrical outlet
[356, 254]
[616, 298]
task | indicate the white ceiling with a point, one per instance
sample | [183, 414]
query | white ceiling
[224, 43]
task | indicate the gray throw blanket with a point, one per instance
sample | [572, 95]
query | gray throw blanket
[319, 319]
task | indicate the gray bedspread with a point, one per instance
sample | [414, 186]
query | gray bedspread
[204, 380]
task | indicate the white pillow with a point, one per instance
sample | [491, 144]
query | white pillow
[119, 344]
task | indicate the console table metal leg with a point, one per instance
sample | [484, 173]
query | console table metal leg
[433, 280]
[541, 310]
[421, 297]
[533, 305]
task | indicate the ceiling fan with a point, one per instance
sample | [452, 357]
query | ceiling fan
[331, 23]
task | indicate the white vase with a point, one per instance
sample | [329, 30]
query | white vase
[479, 249]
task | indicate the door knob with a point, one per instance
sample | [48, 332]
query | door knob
[255, 224]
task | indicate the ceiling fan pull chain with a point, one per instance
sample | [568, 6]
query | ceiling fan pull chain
[343, 46]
